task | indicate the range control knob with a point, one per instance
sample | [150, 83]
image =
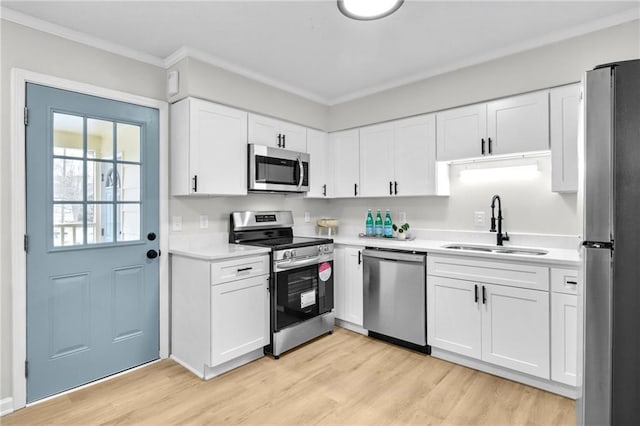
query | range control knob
[293, 254]
[286, 255]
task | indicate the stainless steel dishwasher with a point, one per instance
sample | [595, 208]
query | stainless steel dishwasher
[395, 301]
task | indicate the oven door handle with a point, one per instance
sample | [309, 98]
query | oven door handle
[283, 266]
[301, 167]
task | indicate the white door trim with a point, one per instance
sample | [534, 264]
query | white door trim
[19, 78]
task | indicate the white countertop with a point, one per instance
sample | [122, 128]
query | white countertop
[554, 257]
[220, 251]
[210, 247]
[216, 247]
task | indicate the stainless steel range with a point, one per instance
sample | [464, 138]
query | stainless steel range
[301, 282]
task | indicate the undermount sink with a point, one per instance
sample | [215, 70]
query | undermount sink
[497, 249]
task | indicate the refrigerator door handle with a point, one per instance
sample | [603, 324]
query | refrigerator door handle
[608, 245]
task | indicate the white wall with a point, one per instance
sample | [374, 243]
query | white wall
[553, 65]
[218, 208]
[209, 82]
[33, 50]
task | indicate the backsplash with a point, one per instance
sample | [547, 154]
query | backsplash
[529, 206]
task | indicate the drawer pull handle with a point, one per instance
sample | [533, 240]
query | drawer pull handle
[571, 282]
[245, 269]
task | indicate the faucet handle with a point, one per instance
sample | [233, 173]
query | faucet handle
[505, 237]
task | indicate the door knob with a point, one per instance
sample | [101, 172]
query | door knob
[152, 254]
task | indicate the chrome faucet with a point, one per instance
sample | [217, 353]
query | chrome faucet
[500, 237]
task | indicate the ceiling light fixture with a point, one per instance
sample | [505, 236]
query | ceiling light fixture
[368, 10]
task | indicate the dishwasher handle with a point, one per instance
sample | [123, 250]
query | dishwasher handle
[393, 256]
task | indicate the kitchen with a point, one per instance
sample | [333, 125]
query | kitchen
[543, 218]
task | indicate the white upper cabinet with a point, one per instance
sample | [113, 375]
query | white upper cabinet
[563, 111]
[276, 133]
[321, 168]
[462, 132]
[294, 137]
[505, 126]
[345, 155]
[208, 149]
[398, 158]
[518, 124]
[376, 160]
[416, 170]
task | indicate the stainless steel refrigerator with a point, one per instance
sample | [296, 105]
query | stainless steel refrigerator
[609, 369]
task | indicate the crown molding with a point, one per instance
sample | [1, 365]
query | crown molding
[207, 58]
[589, 27]
[185, 51]
[78, 37]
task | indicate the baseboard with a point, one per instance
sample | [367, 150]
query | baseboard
[536, 382]
[208, 373]
[350, 326]
[211, 372]
[6, 406]
[199, 373]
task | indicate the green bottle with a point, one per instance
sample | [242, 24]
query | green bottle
[369, 225]
[388, 225]
[378, 224]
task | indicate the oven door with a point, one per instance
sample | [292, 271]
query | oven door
[302, 292]
[279, 170]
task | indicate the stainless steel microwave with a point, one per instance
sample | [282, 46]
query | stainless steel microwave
[277, 170]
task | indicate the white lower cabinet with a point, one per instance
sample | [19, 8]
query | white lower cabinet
[348, 284]
[564, 326]
[239, 318]
[219, 312]
[515, 329]
[454, 316]
[500, 324]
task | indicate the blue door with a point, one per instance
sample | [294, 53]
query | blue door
[92, 222]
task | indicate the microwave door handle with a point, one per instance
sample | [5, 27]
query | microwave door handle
[300, 165]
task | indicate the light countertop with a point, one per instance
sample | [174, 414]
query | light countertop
[554, 257]
[215, 247]
[211, 247]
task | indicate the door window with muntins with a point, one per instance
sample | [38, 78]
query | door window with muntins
[96, 167]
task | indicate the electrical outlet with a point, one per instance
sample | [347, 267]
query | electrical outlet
[478, 219]
[204, 221]
[307, 217]
[176, 223]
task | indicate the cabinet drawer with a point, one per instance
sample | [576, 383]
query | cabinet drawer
[504, 273]
[239, 268]
[564, 281]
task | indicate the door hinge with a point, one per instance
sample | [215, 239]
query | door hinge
[26, 369]
[26, 243]
[26, 116]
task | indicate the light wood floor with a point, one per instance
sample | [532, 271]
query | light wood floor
[344, 379]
